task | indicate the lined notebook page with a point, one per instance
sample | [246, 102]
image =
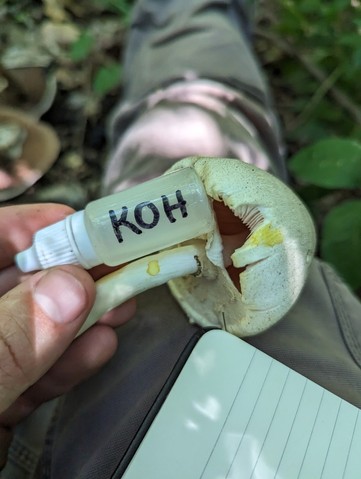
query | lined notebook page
[236, 413]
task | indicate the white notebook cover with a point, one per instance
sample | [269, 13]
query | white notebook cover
[236, 413]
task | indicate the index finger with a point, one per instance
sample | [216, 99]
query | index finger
[18, 224]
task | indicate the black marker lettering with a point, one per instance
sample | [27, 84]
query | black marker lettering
[168, 208]
[138, 215]
[122, 222]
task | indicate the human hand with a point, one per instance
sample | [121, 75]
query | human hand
[40, 315]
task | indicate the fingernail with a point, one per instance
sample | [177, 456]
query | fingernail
[61, 296]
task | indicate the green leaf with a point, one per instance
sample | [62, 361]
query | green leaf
[329, 163]
[341, 241]
[106, 78]
[82, 47]
[122, 7]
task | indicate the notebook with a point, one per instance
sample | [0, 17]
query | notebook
[236, 413]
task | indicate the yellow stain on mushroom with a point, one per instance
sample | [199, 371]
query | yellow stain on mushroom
[266, 236]
[153, 268]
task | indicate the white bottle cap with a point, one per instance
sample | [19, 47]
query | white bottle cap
[65, 242]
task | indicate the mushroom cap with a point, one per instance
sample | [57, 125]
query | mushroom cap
[30, 88]
[39, 151]
[274, 259]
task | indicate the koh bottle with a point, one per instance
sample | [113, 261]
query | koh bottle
[130, 224]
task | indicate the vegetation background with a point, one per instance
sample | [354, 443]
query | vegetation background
[311, 51]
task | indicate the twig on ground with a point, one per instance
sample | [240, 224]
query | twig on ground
[337, 94]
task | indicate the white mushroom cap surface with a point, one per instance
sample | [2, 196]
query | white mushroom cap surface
[274, 259]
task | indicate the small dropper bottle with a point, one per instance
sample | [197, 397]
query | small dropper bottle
[146, 218]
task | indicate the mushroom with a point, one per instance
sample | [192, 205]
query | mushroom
[33, 148]
[273, 261]
[31, 89]
[145, 273]
[26, 93]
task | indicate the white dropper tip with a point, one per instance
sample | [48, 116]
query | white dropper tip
[64, 242]
[28, 260]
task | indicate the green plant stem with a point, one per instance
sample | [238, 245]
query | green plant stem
[319, 94]
[338, 95]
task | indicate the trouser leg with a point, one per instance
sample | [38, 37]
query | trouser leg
[171, 40]
[186, 60]
[321, 336]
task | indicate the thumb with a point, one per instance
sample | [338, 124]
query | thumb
[38, 320]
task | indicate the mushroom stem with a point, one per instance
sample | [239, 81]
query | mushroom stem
[145, 273]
